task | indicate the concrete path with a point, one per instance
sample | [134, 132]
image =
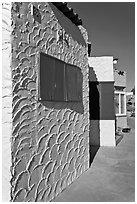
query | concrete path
[111, 177]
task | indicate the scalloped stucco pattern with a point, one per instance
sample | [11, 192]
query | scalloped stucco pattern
[50, 141]
[6, 100]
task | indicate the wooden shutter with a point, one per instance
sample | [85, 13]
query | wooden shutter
[71, 83]
[59, 81]
[74, 83]
[79, 84]
[47, 71]
[59, 92]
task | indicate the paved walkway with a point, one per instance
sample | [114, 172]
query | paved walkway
[111, 177]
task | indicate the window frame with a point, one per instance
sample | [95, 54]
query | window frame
[119, 97]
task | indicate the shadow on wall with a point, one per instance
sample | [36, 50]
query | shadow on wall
[93, 152]
[75, 106]
[94, 108]
[94, 101]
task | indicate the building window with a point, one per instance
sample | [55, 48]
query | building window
[59, 81]
[120, 103]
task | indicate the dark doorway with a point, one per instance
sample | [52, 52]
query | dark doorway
[94, 107]
[94, 110]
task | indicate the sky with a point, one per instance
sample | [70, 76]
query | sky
[111, 31]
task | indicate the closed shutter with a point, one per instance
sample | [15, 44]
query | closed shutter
[59, 81]
[47, 71]
[79, 84]
[59, 93]
[74, 81]
[71, 79]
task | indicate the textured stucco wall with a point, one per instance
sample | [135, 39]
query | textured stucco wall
[50, 145]
[6, 101]
[120, 80]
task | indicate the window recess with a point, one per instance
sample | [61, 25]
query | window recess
[59, 81]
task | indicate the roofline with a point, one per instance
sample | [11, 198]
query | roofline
[68, 12]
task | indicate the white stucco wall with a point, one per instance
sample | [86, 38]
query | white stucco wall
[6, 101]
[103, 67]
[107, 133]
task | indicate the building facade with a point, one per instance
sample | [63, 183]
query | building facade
[130, 103]
[45, 119]
[107, 101]
[120, 99]
[102, 110]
